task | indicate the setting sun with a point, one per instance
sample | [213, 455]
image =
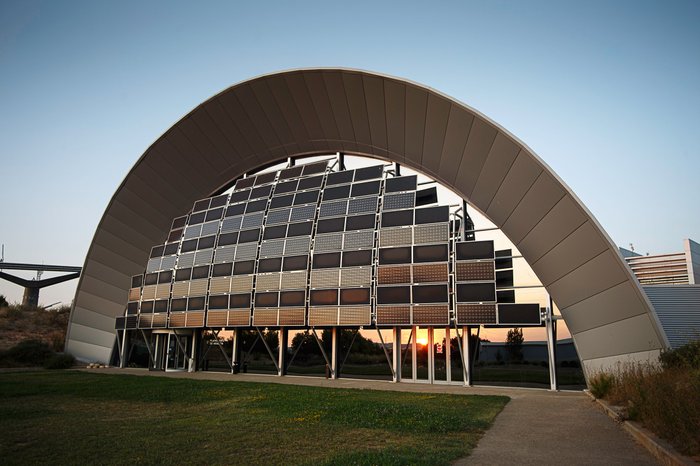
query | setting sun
[422, 341]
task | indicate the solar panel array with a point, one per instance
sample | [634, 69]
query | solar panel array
[307, 246]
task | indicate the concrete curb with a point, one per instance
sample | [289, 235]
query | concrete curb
[659, 448]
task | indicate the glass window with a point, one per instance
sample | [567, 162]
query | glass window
[266, 299]
[360, 222]
[322, 261]
[218, 302]
[354, 296]
[324, 297]
[295, 263]
[292, 298]
[401, 183]
[393, 294]
[355, 258]
[214, 214]
[430, 293]
[341, 177]
[206, 242]
[329, 225]
[239, 301]
[270, 265]
[243, 268]
[395, 255]
[183, 274]
[300, 229]
[364, 189]
[222, 270]
[433, 253]
[275, 232]
[200, 272]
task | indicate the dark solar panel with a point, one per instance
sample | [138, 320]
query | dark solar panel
[270, 265]
[395, 255]
[328, 260]
[430, 294]
[214, 214]
[239, 196]
[295, 263]
[222, 270]
[281, 201]
[245, 182]
[206, 242]
[337, 192]
[306, 197]
[432, 253]
[235, 209]
[369, 173]
[354, 296]
[341, 177]
[393, 294]
[243, 268]
[183, 274]
[356, 258]
[228, 238]
[432, 215]
[299, 229]
[310, 183]
[266, 299]
[475, 292]
[197, 218]
[323, 297]
[200, 272]
[179, 222]
[360, 222]
[201, 205]
[151, 279]
[401, 183]
[218, 201]
[279, 231]
[157, 251]
[286, 187]
[329, 225]
[292, 298]
[397, 218]
[364, 189]
[239, 301]
[475, 250]
[170, 249]
[265, 178]
[136, 281]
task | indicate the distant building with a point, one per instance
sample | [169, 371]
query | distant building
[672, 283]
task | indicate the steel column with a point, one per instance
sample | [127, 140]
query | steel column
[396, 354]
[551, 349]
[467, 361]
[334, 353]
[282, 336]
[414, 354]
[431, 355]
[235, 352]
[448, 356]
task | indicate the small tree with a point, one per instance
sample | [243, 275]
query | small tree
[3, 301]
[514, 344]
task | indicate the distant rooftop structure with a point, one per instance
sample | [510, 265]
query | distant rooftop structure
[681, 268]
[672, 284]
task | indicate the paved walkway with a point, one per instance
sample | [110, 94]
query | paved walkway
[536, 426]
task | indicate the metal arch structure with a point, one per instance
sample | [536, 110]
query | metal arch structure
[320, 111]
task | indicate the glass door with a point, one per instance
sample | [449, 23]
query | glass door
[177, 352]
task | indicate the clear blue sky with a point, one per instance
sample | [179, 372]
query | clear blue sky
[605, 92]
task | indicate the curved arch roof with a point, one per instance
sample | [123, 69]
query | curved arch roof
[320, 111]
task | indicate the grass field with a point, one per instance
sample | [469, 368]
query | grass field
[72, 417]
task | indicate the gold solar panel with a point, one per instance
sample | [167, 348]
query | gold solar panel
[393, 315]
[468, 271]
[177, 319]
[292, 316]
[220, 285]
[323, 316]
[181, 289]
[160, 320]
[394, 275]
[354, 315]
[433, 233]
[431, 315]
[145, 320]
[430, 273]
[239, 318]
[325, 278]
[268, 281]
[241, 284]
[476, 314]
[265, 317]
[395, 236]
[134, 294]
[293, 280]
[149, 292]
[355, 276]
[194, 319]
[163, 291]
[198, 287]
[217, 318]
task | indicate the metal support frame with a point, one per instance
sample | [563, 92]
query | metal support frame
[347, 353]
[193, 352]
[386, 353]
[414, 354]
[334, 353]
[148, 347]
[341, 161]
[323, 352]
[250, 351]
[269, 351]
[235, 351]
[122, 349]
[396, 354]
[431, 355]
[551, 325]
[221, 347]
[405, 355]
[296, 351]
[448, 356]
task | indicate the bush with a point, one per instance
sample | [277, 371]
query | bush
[29, 353]
[685, 357]
[601, 384]
[60, 361]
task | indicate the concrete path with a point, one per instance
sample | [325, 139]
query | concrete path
[536, 426]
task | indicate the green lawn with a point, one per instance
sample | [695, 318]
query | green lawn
[81, 418]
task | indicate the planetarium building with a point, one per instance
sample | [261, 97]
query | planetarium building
[333, 200]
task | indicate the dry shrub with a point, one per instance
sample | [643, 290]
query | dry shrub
[664, 400]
